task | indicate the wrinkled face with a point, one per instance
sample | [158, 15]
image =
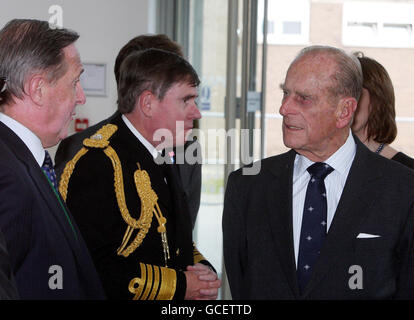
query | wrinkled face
[175, 114]
[308, 107]
[362, 114]
[61, 98]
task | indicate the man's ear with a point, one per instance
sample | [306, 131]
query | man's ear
[35, 88]
[146, 103]
[345, 111]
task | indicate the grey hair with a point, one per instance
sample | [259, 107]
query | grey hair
[348, 78]
[30, 46]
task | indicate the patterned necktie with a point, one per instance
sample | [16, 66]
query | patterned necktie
[47, 168]
[314, 222]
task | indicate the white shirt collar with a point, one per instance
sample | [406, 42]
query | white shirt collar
[339, 160]
[342, 158]
[154, 152]
[28, 137]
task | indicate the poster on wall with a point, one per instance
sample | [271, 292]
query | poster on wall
[93, 79]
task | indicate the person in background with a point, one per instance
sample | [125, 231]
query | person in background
[374, 123]
[41, 67]
[190, 174]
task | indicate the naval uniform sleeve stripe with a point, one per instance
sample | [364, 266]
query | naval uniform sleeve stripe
[137, 285]
[148, 283]
[197, 256]
[155, 283]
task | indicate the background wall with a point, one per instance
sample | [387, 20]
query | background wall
[326, 29]
[104, 27]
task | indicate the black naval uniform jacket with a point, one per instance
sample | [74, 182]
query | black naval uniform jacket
[92, 199]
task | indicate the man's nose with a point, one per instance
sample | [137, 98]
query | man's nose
[80, 95]
[195, 112]
[285, 107]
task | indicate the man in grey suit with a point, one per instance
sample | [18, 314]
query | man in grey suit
[329, 219]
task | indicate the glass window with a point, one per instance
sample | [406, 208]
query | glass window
[373, 24]
[381, 30]
[288, 22]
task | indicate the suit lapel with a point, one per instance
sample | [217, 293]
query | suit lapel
[53, 203]
[357, 196]
[280, 215]
[183, 239]
[24, 155]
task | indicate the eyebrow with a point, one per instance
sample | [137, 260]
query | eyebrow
[303, 94]
[190, 96]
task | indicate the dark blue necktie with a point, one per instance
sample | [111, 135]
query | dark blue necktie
[47, 168]
[314, 221]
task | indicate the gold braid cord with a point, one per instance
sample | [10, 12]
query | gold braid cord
[155, 283]
[67, 172]
[149, 207]
[197, 256]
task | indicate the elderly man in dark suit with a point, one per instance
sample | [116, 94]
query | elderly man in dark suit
[48, 256]
[329, 219]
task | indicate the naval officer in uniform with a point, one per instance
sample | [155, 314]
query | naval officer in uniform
[130, 207]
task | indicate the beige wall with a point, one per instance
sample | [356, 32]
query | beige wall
[326, 28]
[104, 27]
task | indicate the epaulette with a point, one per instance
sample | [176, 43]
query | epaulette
[101, 138]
